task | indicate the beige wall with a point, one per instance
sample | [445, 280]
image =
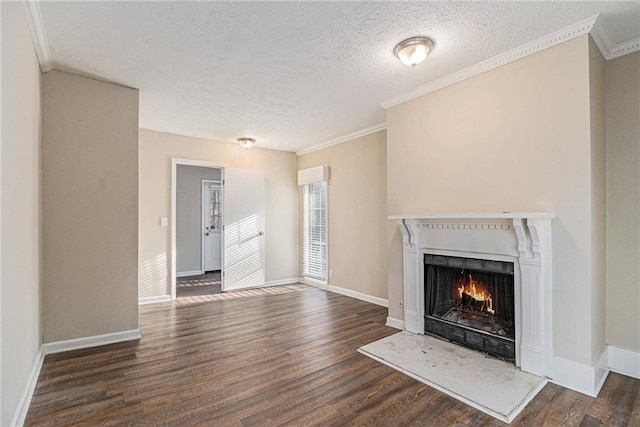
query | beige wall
[623, 201]
[21, 210]
[90, 189]
[598, 199]
[513, 139]
[156, 150]
[358, 224]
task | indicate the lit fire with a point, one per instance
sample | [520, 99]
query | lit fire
[478, 291]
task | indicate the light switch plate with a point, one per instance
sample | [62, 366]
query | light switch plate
[164, 221]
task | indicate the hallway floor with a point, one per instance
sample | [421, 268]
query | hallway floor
[203, 284]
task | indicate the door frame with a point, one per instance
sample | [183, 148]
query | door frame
[175, 161]
[202, 220]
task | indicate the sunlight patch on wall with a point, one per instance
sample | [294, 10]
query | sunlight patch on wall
[242, 257]
[152, 277]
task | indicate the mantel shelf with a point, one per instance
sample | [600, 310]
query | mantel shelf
[476, 215]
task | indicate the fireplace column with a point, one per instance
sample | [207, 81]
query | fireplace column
[534, 248]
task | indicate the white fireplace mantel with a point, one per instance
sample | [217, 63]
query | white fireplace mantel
[523, 238]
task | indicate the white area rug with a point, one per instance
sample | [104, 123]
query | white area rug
[495, 387]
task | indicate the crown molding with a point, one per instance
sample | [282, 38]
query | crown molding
[38, 34]
[606, 45]
[625, 48]
[550, 40]
[602, 39]
[344, 138]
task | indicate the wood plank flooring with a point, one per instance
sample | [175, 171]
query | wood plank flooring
[203, 284]
[275, 356]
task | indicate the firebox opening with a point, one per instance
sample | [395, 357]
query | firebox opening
[471, 302]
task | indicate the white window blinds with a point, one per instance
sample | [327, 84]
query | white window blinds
[314, 230]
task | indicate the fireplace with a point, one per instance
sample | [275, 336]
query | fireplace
[489, 248]
[471, 302]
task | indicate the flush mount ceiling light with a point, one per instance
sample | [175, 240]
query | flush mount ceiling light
[246, 142]
[414, 50]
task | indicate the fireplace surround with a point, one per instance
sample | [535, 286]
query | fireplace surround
[518, 238]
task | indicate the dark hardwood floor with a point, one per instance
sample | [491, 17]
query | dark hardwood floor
[203, 284]
[275, 356]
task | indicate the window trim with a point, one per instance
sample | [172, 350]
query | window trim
[311, 279]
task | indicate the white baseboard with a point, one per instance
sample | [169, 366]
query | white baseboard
[188, 273]
[280, 282]
[94, 341]
[268, 284]
[624, 362]
[579, 376]
[313, 282]
[359, 295]
[601, 369]
[153, 300]
[395, 323]
[343, 291]
[20, 413]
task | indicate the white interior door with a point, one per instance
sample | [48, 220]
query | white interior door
[211, 225]
[244, 224]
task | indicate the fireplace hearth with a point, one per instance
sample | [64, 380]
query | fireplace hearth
[471, 302]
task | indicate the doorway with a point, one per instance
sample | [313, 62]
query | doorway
[187, 258]
[198, 229]
[242, 234]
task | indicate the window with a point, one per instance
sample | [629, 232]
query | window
[215, 206]
[314, 231]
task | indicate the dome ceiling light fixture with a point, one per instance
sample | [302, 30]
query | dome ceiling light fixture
[414, 50]
[246, 142]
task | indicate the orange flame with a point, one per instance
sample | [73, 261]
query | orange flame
[478, 291]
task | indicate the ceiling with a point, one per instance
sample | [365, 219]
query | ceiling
[293, 75]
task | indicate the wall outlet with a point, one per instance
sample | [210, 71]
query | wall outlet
[164, 221]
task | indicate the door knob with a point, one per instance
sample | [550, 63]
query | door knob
[261, 233]
[206, 234]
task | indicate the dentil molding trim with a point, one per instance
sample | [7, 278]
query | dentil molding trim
[625, 48]
[465, 226]
[606, 46]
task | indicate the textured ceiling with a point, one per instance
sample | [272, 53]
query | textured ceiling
[292, 74]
